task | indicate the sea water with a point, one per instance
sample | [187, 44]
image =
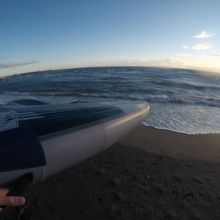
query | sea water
[185, 101]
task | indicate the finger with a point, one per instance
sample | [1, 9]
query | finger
[12, 201]
[3, 192]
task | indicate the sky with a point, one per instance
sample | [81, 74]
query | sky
[49, 34]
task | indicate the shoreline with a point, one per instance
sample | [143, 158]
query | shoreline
[149, 174]
[178, 132]
[175, 144]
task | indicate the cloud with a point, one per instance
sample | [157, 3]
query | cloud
[184, 46]
[204, 35]
[202, 46]
[183, 54]
[213, 54]
[10, 64]
[68, 36]
[171, 62]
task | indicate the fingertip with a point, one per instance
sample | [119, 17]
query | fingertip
[17, 201]
[22, 200]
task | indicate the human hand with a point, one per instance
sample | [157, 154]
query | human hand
[10, 200]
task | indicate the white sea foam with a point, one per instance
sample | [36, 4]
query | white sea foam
[189, 119]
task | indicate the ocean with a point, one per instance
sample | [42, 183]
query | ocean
[185, 101]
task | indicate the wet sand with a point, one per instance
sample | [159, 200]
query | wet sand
[150, 174]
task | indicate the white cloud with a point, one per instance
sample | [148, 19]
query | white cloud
[204, 35]
[171, 62]
[184, 46]
[183, 54]
[9, 63]
[213, 54]
[204, 46]
[68, 36]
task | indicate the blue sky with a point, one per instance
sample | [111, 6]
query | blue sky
[50, 34]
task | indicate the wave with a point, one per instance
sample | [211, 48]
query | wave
[188, 85]
[155, 99]
[152, 98]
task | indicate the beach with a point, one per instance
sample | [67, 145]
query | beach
[149, 174]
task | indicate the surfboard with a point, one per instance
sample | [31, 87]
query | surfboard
[41, 139]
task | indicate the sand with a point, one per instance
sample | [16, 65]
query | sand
[150, 174]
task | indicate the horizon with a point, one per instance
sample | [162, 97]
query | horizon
[201, 72]
[44, 35]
